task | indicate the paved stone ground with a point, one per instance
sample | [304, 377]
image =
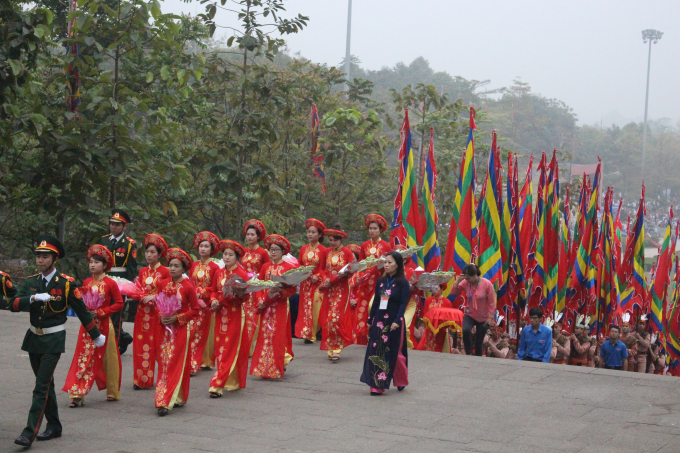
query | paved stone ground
[453, 404]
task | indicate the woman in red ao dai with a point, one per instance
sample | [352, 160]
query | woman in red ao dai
[90, 364]
[231, 335]
[147, 326]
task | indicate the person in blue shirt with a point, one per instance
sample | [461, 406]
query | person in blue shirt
[614, 352]
[535, 343]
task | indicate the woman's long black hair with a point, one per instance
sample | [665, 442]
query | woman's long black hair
[399, 274]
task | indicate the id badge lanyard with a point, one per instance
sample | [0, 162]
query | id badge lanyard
[385, 297]
[469, 298]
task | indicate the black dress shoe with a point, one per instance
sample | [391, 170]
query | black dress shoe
[23, 441]
[376, 393]
[125, 341]
[49, 434]
[401, 388]
[308, 341]
[162, 411]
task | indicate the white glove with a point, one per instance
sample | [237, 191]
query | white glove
[42, 297]
[99, 341]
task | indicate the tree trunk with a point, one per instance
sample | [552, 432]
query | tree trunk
[240, 129]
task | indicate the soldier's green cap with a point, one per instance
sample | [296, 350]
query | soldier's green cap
[48, 243]
[118, 215]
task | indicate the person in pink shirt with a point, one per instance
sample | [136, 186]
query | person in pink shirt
[480, 296]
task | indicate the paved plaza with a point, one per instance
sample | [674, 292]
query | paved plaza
[453, 404]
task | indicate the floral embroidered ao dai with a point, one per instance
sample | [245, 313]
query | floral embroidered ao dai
[202, 340]
[101, 365]
[252, 261]
[274, 346]
[231, 336]
[147, 328]
[174, 365]
[307, 324]
[336, 317]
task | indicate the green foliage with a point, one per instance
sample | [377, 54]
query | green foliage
[620, 149]
[190, 134]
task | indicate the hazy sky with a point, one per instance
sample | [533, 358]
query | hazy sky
[588, 54]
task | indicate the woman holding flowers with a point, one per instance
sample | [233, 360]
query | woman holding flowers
[375, 247]
[90, 364]
[231, 335]
[147, 326]
[274, 346]
[336, 315]
[252, 261]
[202, 274]
[177, 304]
[386, 352]
[313, 254]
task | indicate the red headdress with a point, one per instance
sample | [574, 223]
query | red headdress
[380, 220]
[226, 244]
[330, 232]
[207, 236]
[103, 252]
[156, 240]
[278, 240]
[175, 253]
[259, 226]
[354, 248]
[318, 224]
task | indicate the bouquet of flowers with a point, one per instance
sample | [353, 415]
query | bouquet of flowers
[253, 285]
[430, 280]
[168, 306]
[231, 283]
[133, 290]
[93, 299]
[358, 266]
[290, 259]
[295, 276]
[410, 251]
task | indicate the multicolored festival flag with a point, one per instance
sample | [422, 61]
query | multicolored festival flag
[607, 281]
[431, 252]
[551, 235]
[406, 229]
[317, 158]
[657, 293]
[503, 297]
[490, 262]
[581, 275]
[564, 257]
[673, 333]
[632, 272]
[535, 256]
[461, 244]
[526, 219]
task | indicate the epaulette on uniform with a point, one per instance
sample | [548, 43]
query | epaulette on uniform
[34, 275]
[69, 278]
[130, 239]
[2, 273]
[106, 235]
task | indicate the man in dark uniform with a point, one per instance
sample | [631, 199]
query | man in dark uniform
[124, 251]
[46, 296]
[7, 290]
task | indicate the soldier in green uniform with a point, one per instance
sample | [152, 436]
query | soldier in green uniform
[124, 251]
[46, 296]
[7, 290]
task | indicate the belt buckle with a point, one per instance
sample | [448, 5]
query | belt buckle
[39, 331]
